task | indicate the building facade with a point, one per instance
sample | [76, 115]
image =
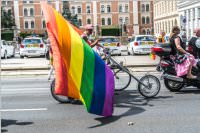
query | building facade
[29, 17]
[189, 13]
[133, 16]
[165, 16]
[104, 14]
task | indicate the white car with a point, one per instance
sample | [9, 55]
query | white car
[141, 44]
[113, 43]
[32, 46]
[7, 49]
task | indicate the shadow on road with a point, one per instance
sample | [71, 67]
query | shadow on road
[6, 122]
[131, 100]
[189, 91]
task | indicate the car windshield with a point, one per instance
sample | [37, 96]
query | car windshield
[145, 38]
[109, 40]
[32, 41]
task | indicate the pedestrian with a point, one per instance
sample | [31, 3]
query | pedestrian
[86, 36]
[19, 41]
[161, 37]
[183, 60]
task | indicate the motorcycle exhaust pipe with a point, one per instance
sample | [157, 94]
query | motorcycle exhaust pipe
[174, 78]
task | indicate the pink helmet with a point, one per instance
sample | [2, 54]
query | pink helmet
[89, 27]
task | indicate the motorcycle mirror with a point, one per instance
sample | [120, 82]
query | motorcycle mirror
[197, 43]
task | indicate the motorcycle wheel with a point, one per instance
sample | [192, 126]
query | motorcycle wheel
[60, 99]
[173, 86]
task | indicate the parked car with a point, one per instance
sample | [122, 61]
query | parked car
[7, 49]
[141, 44]
[111, 43]
[33, 46]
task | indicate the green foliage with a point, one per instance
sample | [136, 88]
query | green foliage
[8, 36]
[73, 19]
[7, 19]
[110, 32]
[25, 34]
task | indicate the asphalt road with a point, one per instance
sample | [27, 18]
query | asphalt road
[27, 106]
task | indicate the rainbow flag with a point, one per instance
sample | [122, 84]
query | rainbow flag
[80, 72]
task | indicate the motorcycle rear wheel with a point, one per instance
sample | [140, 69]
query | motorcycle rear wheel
[173, 86]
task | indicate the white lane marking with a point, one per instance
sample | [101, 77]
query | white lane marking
[12, 110]
[23, 89]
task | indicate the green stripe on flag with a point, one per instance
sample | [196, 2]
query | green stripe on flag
[87, 84]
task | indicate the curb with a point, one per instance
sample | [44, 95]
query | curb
[47, 68]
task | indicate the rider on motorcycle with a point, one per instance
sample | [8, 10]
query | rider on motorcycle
[183, 60]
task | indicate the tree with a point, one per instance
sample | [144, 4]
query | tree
[7, 19]
[68, 16]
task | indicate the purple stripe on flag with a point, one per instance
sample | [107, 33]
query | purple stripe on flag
[108, 104]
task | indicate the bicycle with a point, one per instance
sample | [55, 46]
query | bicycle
[145, 84]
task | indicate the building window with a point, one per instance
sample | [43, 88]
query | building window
[193, 11]
[147, 20]
[147, 7]
[73, 10]
[126, 8]
[103, 21]
[30, 1]
[24, 1]
[108, 8]
[109, 21]
[25, 12]
[79, 9]
[143, 7]
[143, 20]
[199, 12]
[3, 3]
[26, 24]
[88, 9]
[32, 25]
[80, 22]
[31, 12]
[88, 21]
[43, 24]
[102, 8]
[126, 20]
[120, 8]
[189, 15]
[121, 20]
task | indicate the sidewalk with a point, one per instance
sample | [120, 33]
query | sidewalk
[17, 64]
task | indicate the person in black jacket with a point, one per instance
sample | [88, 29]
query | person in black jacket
[191, 45]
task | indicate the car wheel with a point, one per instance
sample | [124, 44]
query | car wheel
[133, 53]
[5, 55]
[13, 55]
[21, 56]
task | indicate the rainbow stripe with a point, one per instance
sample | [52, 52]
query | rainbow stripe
[80, 72]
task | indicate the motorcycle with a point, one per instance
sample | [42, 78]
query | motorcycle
[166, 66]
